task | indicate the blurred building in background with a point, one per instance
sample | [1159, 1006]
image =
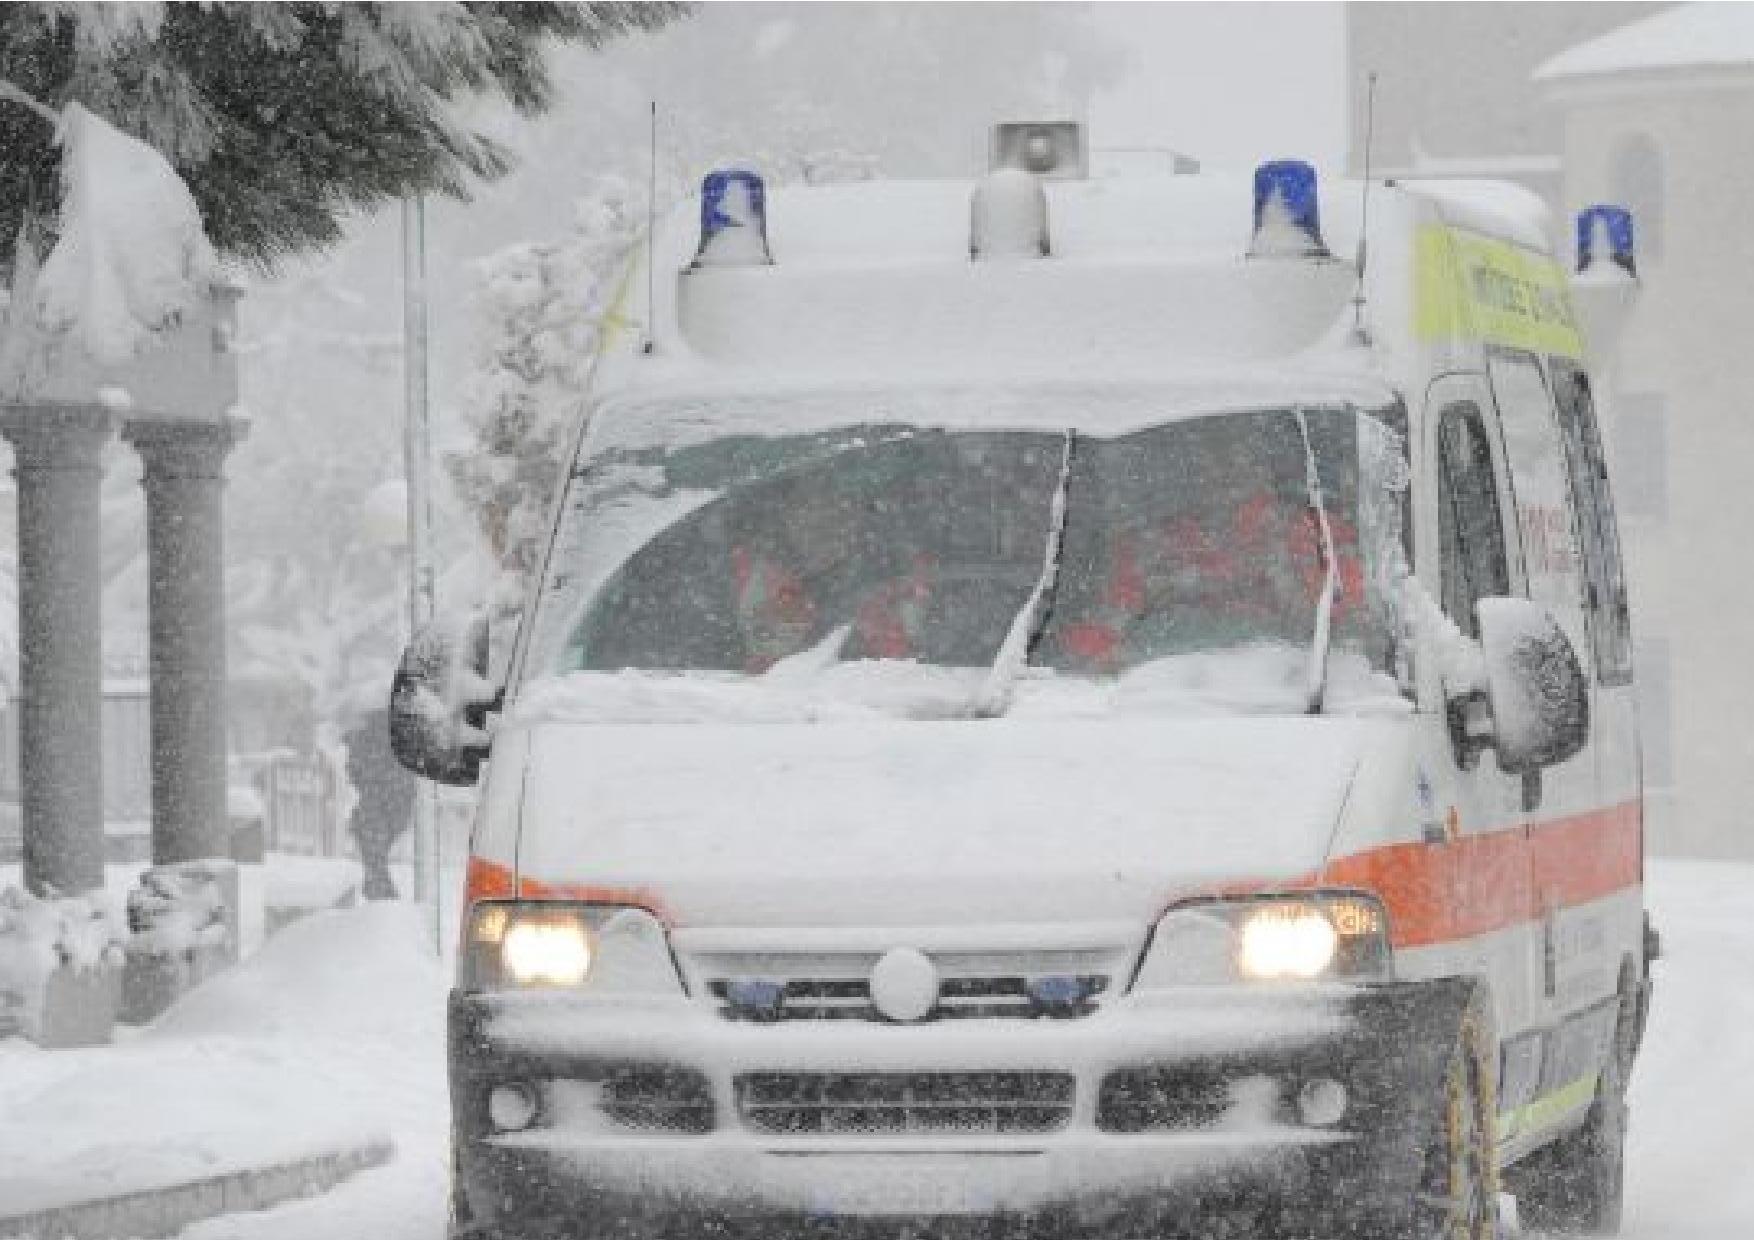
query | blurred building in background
[1656, 115]
[1648, 106]
[1456, 95]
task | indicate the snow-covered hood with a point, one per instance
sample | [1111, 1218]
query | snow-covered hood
[910, 822]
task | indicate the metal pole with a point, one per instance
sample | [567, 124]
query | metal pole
[417, 450]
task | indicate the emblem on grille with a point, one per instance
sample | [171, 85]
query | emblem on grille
[904, 985]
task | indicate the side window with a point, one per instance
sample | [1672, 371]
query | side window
[1610, 619]
[1470, 531]
[1541, 481]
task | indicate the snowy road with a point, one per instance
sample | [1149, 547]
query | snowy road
[1691, 1174]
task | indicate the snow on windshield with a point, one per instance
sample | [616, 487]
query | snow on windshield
[1258, 679]
[896, 559]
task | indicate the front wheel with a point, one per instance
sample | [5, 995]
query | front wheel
[1458, 1191]
[1578, 1184]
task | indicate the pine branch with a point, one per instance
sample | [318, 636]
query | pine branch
[284, 119]
[17, 95]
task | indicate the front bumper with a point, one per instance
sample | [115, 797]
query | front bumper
[1173, 1109]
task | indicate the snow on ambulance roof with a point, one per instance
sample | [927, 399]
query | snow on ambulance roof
[1147, 278]
[1147, 275]
[1208, 215]
[1196, 219]
[1501, 209]
[1691, 36]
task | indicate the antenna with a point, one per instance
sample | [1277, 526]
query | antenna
[1360, 333]
[651, 231]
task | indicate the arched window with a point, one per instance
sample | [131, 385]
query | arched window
[1635, 180]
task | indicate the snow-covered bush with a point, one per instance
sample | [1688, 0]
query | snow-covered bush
[42, 936]
[177, 911]
[543, 308]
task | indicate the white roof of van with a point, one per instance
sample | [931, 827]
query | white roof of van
[1207, 215]
[1690, 36]
[1149, 279]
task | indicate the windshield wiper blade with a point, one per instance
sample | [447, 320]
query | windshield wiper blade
[1324, 620]
[1031, 619]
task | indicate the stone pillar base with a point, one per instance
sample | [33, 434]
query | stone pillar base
[185, 920]
[152, 982]
[77, 1007]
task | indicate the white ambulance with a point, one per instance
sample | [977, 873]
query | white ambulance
[1060, 704]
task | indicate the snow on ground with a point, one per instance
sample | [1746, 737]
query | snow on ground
[339, 1021]
[1692, 1136]
[330, 1036]
[285, 882]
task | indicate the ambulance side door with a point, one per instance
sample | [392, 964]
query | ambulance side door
[1482, 846]
[1618, 775]
[1579, 965]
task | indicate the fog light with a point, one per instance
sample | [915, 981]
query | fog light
[512, 1108]
[1321, 1102]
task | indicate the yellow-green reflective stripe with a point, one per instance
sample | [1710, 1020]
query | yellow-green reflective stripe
[1547, 1108]
[615, 320]
[1469, 287]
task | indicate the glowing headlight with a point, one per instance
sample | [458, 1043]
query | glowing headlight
[1289, 940]
[1339, 936]
[602, 949]
[545, 952]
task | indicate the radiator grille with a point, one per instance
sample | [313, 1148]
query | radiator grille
[904, 1103]
[1161, 1098]
[992, 997]
[658, 1099]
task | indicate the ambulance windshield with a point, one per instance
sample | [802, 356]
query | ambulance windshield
[905, 544]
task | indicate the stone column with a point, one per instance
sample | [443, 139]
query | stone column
[185, 543]
[58, 463]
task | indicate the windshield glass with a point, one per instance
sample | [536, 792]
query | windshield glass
[899, 544]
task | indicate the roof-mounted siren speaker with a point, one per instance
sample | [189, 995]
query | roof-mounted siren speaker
[733, 220]
[1604, 235]
[1288, 219]
[1051, 149]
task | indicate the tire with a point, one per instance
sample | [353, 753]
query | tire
[461, 1224]
[1457, 1197]
[1577, 1185]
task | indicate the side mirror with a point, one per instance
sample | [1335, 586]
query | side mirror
[439, 703]
[1537, 696]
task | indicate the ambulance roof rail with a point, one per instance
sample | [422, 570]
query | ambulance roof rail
[1605, 233]
[733, 220]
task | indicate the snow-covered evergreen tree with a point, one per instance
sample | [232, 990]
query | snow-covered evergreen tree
[282, 118]
[543, 309]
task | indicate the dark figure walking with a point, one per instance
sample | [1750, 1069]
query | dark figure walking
[386, 800]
